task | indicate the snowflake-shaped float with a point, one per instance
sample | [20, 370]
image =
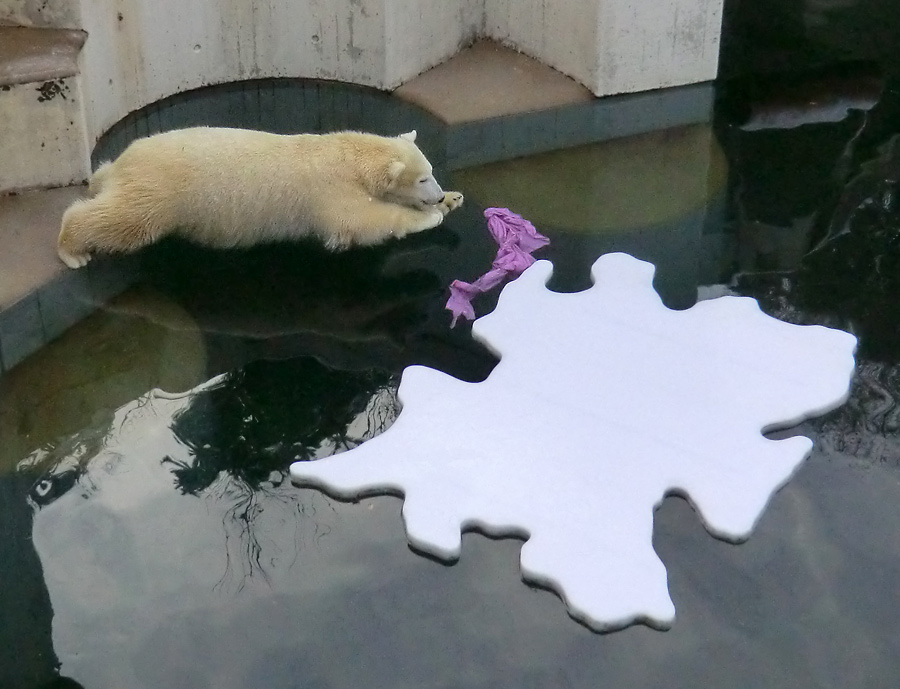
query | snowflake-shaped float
[603, 402]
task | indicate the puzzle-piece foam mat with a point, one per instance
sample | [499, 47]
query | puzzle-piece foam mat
[603, 402]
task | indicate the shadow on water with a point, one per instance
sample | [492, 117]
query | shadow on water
[380, 306]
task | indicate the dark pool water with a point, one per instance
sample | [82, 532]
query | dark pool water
[150, 537]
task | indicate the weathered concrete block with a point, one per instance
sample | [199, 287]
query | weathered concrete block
[42, 135]
[614, 46]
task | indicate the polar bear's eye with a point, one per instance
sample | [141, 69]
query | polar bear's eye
[423, 180]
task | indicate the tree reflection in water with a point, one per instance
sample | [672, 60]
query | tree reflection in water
[243, 433]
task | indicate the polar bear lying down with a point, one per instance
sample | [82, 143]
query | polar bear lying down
[235, 187]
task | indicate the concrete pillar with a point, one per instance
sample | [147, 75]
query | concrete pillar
[614, 46]
[649, 45]
[420, 34]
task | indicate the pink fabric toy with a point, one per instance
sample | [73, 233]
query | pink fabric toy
[517, 239]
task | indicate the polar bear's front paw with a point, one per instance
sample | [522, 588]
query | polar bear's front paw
[452, 200]
[426, 220]
[435, 217]
[74, 260]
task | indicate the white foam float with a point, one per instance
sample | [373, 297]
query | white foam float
[603, 402]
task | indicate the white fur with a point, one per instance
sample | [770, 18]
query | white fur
[235, 187]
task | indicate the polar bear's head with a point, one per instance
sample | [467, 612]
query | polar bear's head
[411, 180]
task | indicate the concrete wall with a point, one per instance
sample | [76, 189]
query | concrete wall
[559, 33]
[614, 46]
[651, 45]
[141, 50]
[57, 14]
[423, 33]
[42, 142]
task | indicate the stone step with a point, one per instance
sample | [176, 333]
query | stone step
[36, 55]
[487, 81]
[498, 104]
[39, 297]
[43, 139]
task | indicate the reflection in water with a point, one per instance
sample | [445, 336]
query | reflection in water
[243, 432]
[27, 657]
[373, 307]
[612, 187]
[237, 437]
[257, 420]
[795, 143]
[63, 466]
[80, 379]
[56, 410]
[851, 281]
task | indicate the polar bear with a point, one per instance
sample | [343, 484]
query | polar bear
[234, 187]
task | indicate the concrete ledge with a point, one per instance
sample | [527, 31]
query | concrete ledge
[488, 80]
[35, 55]
[39, 297]
[516, 106]
[513, 136]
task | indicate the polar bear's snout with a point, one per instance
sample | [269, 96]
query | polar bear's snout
[430, 192]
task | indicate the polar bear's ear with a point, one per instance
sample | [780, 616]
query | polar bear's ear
[409, 136]
[395, 169]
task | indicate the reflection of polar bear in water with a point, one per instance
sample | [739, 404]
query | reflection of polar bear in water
[236, 187]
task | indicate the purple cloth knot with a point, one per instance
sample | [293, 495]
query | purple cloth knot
[517, 239]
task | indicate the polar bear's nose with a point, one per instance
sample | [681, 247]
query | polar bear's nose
[430, 190]
[438, 193]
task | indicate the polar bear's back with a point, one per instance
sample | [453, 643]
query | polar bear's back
[237, 187]
[228, 187]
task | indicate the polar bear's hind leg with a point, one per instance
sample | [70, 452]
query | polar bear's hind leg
[100, 224]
